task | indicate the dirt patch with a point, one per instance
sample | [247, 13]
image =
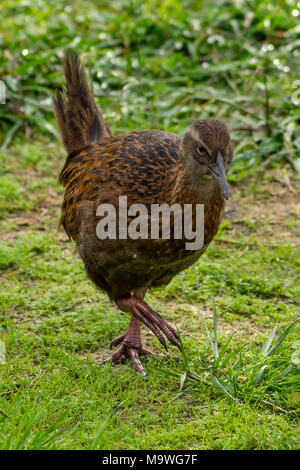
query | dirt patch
[268, 209]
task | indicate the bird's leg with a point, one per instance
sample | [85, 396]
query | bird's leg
[130, 342]
[150, 318]
[131, 347]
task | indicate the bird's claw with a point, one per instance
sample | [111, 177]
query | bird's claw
[135, 361]
[132, 353]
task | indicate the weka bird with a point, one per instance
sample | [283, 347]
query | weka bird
[148, 167]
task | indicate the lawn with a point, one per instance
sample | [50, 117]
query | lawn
[153, 65]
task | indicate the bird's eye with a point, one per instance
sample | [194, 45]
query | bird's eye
[201, 150]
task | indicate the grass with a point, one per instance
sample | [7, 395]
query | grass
[153, 65]
[243, 373]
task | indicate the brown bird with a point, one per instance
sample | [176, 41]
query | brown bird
[149, 167]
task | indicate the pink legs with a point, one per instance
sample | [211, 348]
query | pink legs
[131, 342]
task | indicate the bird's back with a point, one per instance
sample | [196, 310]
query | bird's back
[135, 165]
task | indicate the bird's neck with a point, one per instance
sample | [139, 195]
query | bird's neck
[184, 189]
[188, 188]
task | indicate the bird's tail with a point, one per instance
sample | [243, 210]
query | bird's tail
[79, 120]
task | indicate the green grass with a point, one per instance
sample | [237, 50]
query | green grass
[269, 376]
[161, 65]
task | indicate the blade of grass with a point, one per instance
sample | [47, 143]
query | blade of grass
[283, 336]
[223, 387]
[267, 345]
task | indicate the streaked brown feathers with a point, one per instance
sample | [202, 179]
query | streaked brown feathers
[78, 117]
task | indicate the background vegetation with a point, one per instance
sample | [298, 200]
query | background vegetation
[153, 64]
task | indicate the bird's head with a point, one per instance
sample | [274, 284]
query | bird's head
[208, 152]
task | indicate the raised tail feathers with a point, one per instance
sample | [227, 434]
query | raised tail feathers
[78, 117]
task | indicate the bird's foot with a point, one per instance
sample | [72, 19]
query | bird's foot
[142, 312]
[130, 348]
[130, 342]
[133, 353]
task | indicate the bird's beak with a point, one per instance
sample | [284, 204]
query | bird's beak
[220, 175]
